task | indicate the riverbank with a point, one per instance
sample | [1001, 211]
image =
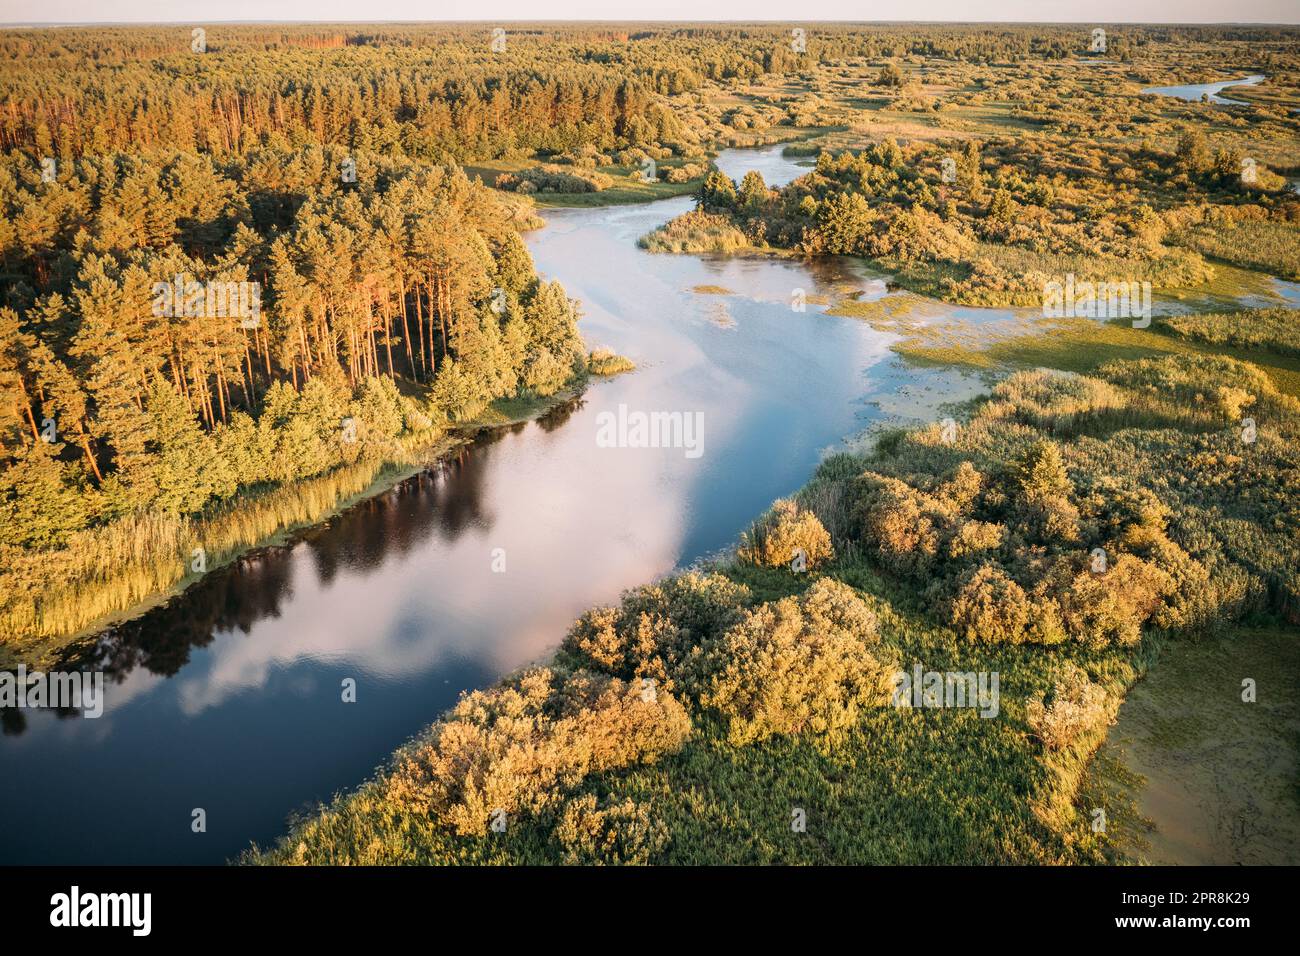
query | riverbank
[897, 787]
[403, 595]
[461, 574]
[243, 526]
[751, 751]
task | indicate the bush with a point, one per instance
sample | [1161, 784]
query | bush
[777, 537]
[696, 231]
[607, 362]
[1042, 496]
[519, 746]
[684, 173]
[554, 179]
[620, 834]
[1111, 607]
[975, 538]
[900, 523]
[990, 607]
[656, 629]
[798, 665]
[1077, 708]
[1006, 554]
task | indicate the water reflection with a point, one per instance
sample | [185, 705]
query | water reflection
[228, 697]
[1193, 92]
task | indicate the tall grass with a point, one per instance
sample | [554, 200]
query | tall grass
[696, 231]
[1267, 246]
[107, 570]
[1269, 330]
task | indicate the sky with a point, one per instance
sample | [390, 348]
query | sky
[199, 12]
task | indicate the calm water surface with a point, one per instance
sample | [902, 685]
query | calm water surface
[1194, 91]
[228, 698]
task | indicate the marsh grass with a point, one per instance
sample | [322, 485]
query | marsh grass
[1083, 345]
[52, 597]
[696, 232]
[1267, 246]
[1254, 330]
[1022, 273]
[608, 363]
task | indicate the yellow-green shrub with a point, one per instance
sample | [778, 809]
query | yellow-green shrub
[798, 664]
[620, 833]
[777, 537]
[655, 629]
[519, 746]
[1076, 707]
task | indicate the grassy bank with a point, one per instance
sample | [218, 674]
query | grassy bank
[118, 571]
[115, 572]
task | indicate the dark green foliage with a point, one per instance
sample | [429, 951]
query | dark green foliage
[390, 280]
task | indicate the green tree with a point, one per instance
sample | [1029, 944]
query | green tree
[42, 500]
[717, 193]
[753, 191]
[185, 465]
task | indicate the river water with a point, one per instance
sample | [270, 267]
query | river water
[1192, 92]
[228, 698]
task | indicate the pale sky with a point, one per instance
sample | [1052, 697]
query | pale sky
[199, 12]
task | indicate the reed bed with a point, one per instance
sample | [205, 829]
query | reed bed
[108, 570]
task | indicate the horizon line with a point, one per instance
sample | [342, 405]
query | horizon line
[55, 24]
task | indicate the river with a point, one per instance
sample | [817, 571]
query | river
[1192, 92]
[228, 698]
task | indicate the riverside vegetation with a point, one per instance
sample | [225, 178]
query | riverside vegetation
[990, 223]
[1072, 524]
[688, 723]
[396, 307]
